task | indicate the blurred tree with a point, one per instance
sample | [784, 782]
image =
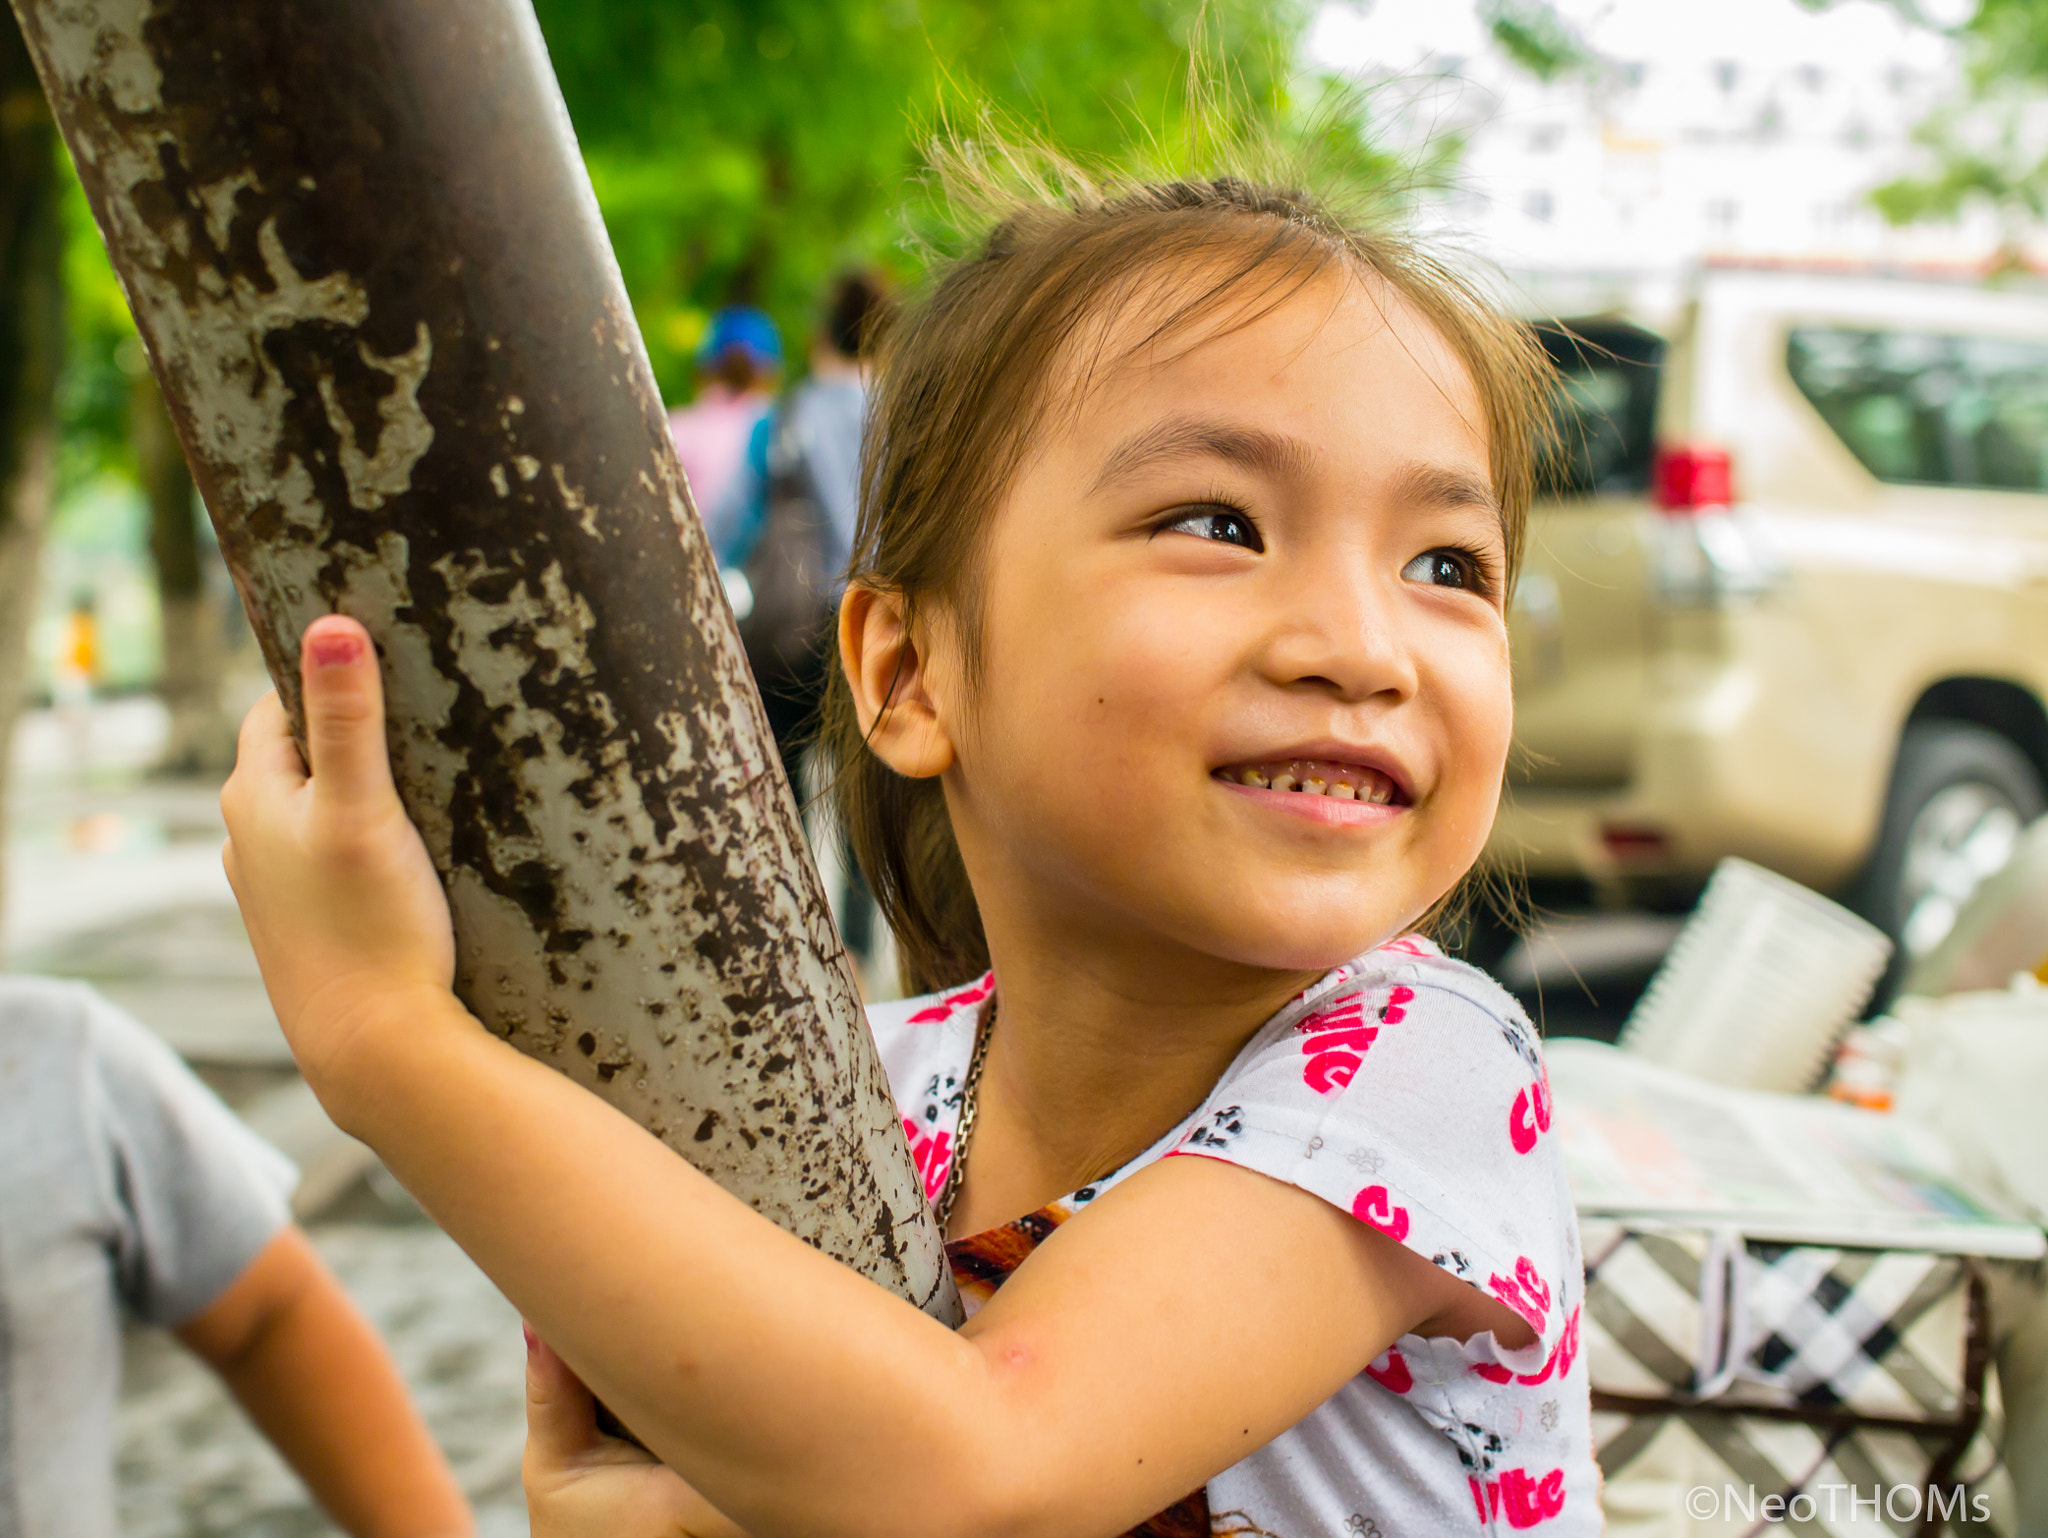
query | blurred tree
[1535, 37]
[31, 352]
[1990, 148]
[743, 149]
[201, 739]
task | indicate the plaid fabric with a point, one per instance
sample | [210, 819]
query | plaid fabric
[1866, 1329]
[1841, 1370]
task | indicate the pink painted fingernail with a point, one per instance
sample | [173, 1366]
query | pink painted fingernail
[335, 648]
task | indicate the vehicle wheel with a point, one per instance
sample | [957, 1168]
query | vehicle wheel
[1960, 795]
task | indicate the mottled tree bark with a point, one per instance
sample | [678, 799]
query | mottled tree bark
[201, 738]
[360, 245]
[31, 351]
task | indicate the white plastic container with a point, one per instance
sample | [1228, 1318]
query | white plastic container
[1759, 983]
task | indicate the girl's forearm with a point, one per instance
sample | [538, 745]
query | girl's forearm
[797, 1395]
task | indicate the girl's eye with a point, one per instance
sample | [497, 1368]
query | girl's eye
[1225, 525]
[1449, 568]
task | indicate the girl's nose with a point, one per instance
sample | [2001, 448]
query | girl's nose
[1338, 635]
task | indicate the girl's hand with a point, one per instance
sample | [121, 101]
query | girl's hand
[341, 902]
[581, 1483]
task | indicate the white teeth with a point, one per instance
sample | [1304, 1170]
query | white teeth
[1380, 795]
[1312, 787]
[1253, 777]
[1283, 781]
[1341, 792]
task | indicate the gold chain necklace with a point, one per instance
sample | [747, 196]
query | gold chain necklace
[957, 1174]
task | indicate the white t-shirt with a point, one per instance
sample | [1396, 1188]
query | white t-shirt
[1408, 1089]
[126, 1187]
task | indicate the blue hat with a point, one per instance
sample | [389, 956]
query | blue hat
[743, 328]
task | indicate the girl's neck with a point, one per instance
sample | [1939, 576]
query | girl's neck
[1093, 1061]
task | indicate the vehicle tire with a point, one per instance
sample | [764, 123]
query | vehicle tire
[1960, 795]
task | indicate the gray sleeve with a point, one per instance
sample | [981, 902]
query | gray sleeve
[194, 1193]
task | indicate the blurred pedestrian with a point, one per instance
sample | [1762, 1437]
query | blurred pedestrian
[810, 459]
[128, 1189]
[738, 367]
[77, 674]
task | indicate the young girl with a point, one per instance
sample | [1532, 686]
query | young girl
[1175, 696]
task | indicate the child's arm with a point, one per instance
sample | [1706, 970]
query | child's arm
[319, 1384]
[1128, 1360]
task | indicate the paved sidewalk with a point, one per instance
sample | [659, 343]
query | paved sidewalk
[116, 879]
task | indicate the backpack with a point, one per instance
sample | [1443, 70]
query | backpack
[786, 569]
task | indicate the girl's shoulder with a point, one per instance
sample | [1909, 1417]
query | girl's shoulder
[1408, 1089]
[1419, 964]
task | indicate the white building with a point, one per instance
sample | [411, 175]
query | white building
[1748, 130]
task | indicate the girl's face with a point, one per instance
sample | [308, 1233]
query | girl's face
[1244, 682]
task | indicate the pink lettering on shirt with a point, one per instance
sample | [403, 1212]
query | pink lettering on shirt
[1525, 1292]
[933, 1155]
[973, 993]
[1529, 1117]
[1559, 1362]
[1335, 1040]
[1394, 1377]
[1374, 1206]
[1519, 1496]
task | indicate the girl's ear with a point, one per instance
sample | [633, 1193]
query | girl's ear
[891, 679]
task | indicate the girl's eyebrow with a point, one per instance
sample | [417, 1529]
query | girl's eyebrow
[1250, 448]
[1445, 486]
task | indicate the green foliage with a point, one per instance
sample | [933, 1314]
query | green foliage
[1534, 36]
[1987, 149]
[1982, 154]
[742, 150]
[2008, 40]
[102, 356]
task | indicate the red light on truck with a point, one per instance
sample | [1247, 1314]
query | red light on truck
[1635, 841]
[1690, 477]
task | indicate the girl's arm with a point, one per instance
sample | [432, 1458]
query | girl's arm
[319, 1384]
[1131, 1358]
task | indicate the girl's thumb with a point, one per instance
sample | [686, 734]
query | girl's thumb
[561, 1414]
[344, 698]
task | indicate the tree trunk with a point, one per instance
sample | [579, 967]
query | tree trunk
[31, 350]
[362, 250]
[201, 739]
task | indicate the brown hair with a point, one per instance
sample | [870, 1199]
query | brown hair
[966, 377]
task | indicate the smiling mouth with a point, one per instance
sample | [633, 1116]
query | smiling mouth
[1317, 777]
